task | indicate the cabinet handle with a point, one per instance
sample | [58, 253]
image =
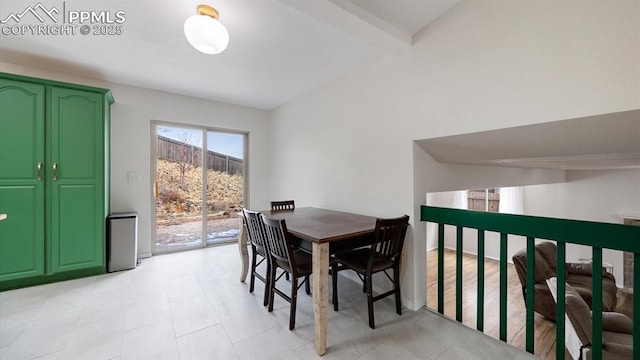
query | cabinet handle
[39, 167]
[55, 169]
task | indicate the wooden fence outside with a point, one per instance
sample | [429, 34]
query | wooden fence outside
[476, 200]
[180, 152]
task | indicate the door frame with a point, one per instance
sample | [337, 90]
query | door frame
[153, 171]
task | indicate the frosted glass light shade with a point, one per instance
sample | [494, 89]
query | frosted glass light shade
[206, 34]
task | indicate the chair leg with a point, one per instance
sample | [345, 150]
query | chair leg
[272, 275]
[334, 278]
[267, 284]
[252, 276]
[307, 285]
[396, 285]
[370, 301]
[294, 300]
[364, 284]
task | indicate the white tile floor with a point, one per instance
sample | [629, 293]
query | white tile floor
[191, 305]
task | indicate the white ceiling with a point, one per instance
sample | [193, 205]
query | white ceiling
[278, 50]
[608, 141]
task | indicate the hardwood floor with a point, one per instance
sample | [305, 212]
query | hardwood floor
[545, 330]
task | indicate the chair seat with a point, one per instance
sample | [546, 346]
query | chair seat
[383, 254]
[302, 260]
[359, 258]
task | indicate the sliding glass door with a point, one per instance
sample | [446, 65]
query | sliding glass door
[187, 214]
[225, 186]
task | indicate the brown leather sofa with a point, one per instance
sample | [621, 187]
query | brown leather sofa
[578, 275]
[617, 328]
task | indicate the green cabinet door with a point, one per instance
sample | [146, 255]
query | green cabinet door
[75, 198]
[22, 152]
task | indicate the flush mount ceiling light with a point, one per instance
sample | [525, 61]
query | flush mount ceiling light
[205, 33]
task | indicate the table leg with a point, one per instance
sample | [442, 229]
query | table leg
[244, 253]
[320, 294]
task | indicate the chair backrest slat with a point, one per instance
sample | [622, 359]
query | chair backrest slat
[278, 242]
[255, 228]
[283, 205]
[389, 237]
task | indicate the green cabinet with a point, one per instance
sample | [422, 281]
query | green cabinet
[53, 180]
[22, 152]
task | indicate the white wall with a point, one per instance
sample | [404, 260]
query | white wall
[484, 65]
[323, 146]
[131, 117]
[589, 195]
[345, 146]
[490, 64]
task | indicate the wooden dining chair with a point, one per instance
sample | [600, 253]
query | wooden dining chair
[384, 254]
[258, 239]
[283, 205]
[292, 261]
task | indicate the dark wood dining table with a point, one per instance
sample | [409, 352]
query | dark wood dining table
[327, 231]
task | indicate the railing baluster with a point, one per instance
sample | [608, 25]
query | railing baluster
[531, 255]
[596, 304]
[636, 305]
[480, 301]
[560, 304]
[503, 286]
[459, 273]
[562, 231]
[441, 268]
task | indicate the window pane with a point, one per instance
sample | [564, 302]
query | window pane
[179, 177]
[225, 186]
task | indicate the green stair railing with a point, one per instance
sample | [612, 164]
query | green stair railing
[594, 234]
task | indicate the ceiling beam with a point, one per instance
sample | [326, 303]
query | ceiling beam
[355, 21]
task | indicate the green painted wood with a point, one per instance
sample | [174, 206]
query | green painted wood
[595, 234]
[72, 125]
[76, 201]
[108, 96]
[531, 270]
[503, 286]
[560, 303]
[611, 236]
[441, 268]
[22, 128]
[459, 294]
[636, 304]
[480, 291]
[596, 304]
[106, 150]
